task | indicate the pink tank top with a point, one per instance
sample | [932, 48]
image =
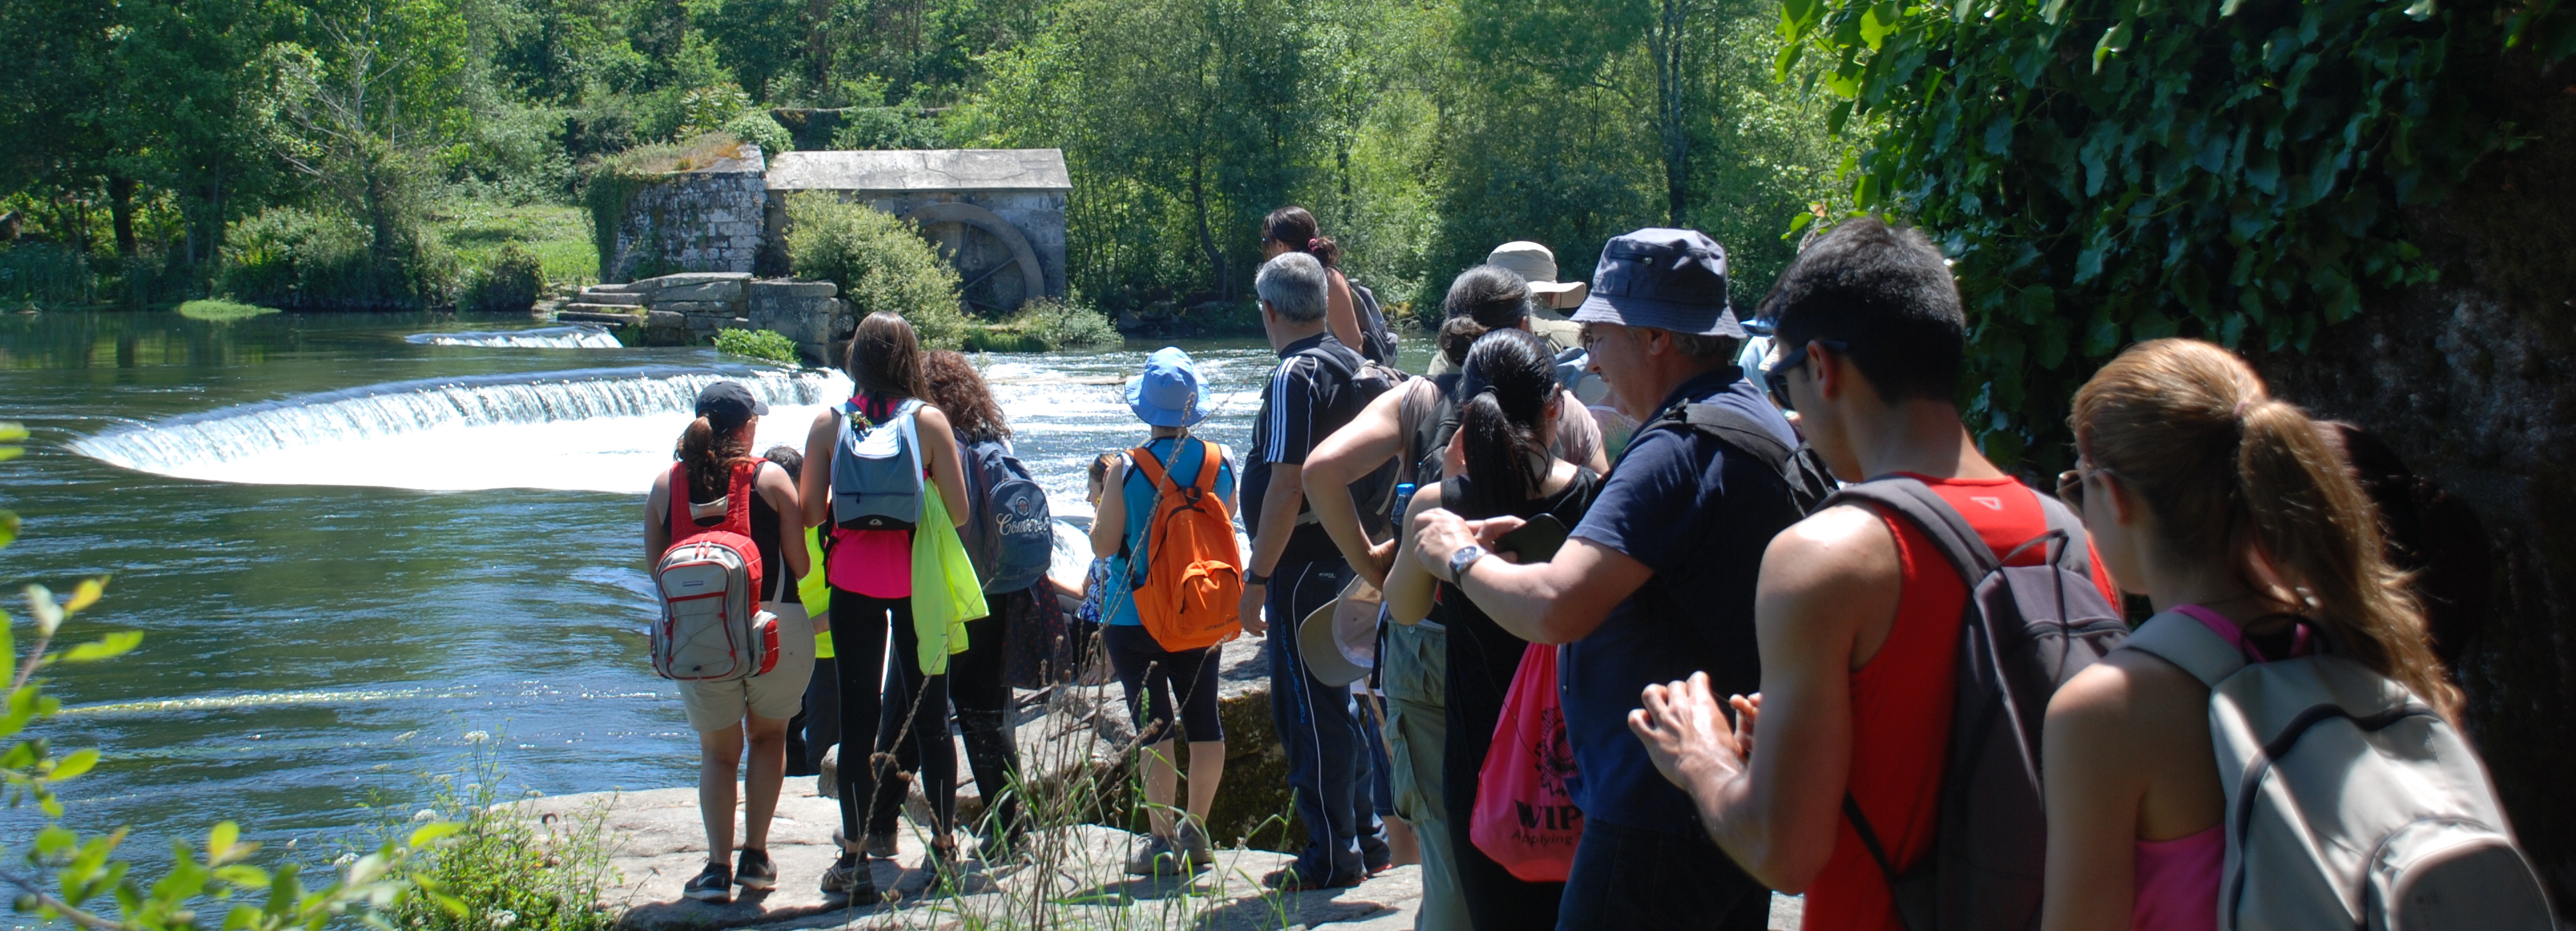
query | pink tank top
[2178, 878]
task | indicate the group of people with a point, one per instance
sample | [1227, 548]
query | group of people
[1662, 544]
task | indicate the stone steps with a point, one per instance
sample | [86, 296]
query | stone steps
[616, 310]
[568, 315]
[593, 295]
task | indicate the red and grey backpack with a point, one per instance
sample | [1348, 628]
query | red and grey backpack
[712, 628]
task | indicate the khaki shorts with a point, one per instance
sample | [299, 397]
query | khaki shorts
[777, 696]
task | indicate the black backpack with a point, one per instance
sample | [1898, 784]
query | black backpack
[1799, 467]
[1361, 380]
[1434, 425]
[2024, 632]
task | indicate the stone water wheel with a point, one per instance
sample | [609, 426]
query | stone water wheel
[997, 271]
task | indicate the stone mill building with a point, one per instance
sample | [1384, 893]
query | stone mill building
[997, 213]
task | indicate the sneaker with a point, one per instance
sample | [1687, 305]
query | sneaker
[883, 846]
[754, 871]
[849, 876]
[1194, 847]
[1290, 879]
[1153, 857]
[714, 884]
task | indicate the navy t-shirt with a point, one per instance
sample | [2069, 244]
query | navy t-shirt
[1700, 519]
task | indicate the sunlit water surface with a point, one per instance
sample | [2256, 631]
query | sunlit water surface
[350, 546]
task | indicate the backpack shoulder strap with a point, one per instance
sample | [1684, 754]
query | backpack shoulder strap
[2077, 555]
[1736, 429]
[1948, 530]
[2176, 638]
[1209, 457]
[679, 516]
[1151, 466]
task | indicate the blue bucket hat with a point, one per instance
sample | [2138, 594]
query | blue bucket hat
[1662, 278]
[1170, 393]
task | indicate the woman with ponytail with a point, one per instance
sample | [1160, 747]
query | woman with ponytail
[715, 464]
[1293, 229]
[1498, 464]
[2212, 499]
[868, 564]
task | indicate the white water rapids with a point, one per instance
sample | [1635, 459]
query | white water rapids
[560, 337]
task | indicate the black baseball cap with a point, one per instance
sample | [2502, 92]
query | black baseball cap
[728, 402]
[1667, 279]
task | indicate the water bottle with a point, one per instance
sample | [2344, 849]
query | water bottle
[1403, 498]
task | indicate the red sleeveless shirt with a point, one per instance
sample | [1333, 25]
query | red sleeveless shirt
[1900, 702]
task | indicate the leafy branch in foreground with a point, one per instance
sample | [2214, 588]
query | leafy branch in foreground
[62, 872]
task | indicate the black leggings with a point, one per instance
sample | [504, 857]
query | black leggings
[1153, 676]
[983, 706]
[859, 630]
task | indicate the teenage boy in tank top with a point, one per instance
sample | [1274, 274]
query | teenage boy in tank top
[1856, 612]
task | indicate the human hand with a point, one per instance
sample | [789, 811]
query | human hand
[1249, 610]
[1381, 560]
[1686, 734]
[1438, 534]
[1492, 530]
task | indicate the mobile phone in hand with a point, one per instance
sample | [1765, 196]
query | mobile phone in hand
[1535, 541]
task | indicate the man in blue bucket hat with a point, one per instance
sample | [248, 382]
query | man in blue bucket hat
[1655, 584]
[1164, 687]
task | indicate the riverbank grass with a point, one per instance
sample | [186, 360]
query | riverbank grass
[558, 235]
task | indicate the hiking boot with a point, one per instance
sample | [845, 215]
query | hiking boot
[714, 884]
[1194, 848]
[849, 876]
[754, 871]
[883, 846]
[1154, 857]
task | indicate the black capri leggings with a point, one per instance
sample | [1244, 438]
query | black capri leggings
[1153, 675]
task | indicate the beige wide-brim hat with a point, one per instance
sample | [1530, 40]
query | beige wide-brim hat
[1339, 640]
[1535, 264]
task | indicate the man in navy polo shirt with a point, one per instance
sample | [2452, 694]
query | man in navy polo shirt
[1656, 583]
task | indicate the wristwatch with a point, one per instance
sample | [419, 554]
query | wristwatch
[1459, 561]
[1255, 578]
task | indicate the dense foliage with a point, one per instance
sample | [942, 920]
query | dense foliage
[510, 284]
[880, 262]
[2106, 171]
[765, 345]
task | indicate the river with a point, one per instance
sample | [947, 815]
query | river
[362, 547]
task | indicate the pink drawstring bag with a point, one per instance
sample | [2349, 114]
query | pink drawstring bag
[1525, 816]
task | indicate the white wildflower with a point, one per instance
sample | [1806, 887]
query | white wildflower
[424, 814]
[476, 737]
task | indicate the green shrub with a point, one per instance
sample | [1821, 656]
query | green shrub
[757, 344]
[38, 274]
[304, 260]
[755, 127]
[880, 262]
[214, 310]
[509, 285]
[505, 870]
[1065, 324]
[888, 128]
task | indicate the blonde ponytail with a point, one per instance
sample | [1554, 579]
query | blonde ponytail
[2228, 469]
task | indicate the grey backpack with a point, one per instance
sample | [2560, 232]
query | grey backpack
[2024, 631]
[2350, 803]
[876, 469]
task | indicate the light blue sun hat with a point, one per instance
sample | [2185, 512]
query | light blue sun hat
[1170, 393]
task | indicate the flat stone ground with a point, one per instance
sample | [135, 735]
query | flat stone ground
[1075, 877]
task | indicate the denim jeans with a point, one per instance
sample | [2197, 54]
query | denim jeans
[1328, 767]
[1625, 879]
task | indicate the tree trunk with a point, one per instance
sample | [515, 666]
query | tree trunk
[1665, 44]
[120, 204]
[2474, 381]
[1207, 238]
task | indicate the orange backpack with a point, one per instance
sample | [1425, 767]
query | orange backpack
[1194, 568]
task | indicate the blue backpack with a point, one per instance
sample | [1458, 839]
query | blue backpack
[876, 469]
[1010, 534]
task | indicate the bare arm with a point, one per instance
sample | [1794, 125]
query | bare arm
[2093, 795]
[1368, 441]
[1559, 601]
[1341, 314]
[1109, 521]
[1777, 813]
[939, 446]
[814, 487]
[1278, 520]
[775, 488]
[1408, 587]
[657, 519]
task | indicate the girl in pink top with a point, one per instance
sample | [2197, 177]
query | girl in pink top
[870, 572]
[2211, 499]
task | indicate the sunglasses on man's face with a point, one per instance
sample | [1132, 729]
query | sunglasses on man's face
[1777, 379]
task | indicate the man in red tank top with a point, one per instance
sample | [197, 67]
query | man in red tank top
[1856, 614]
